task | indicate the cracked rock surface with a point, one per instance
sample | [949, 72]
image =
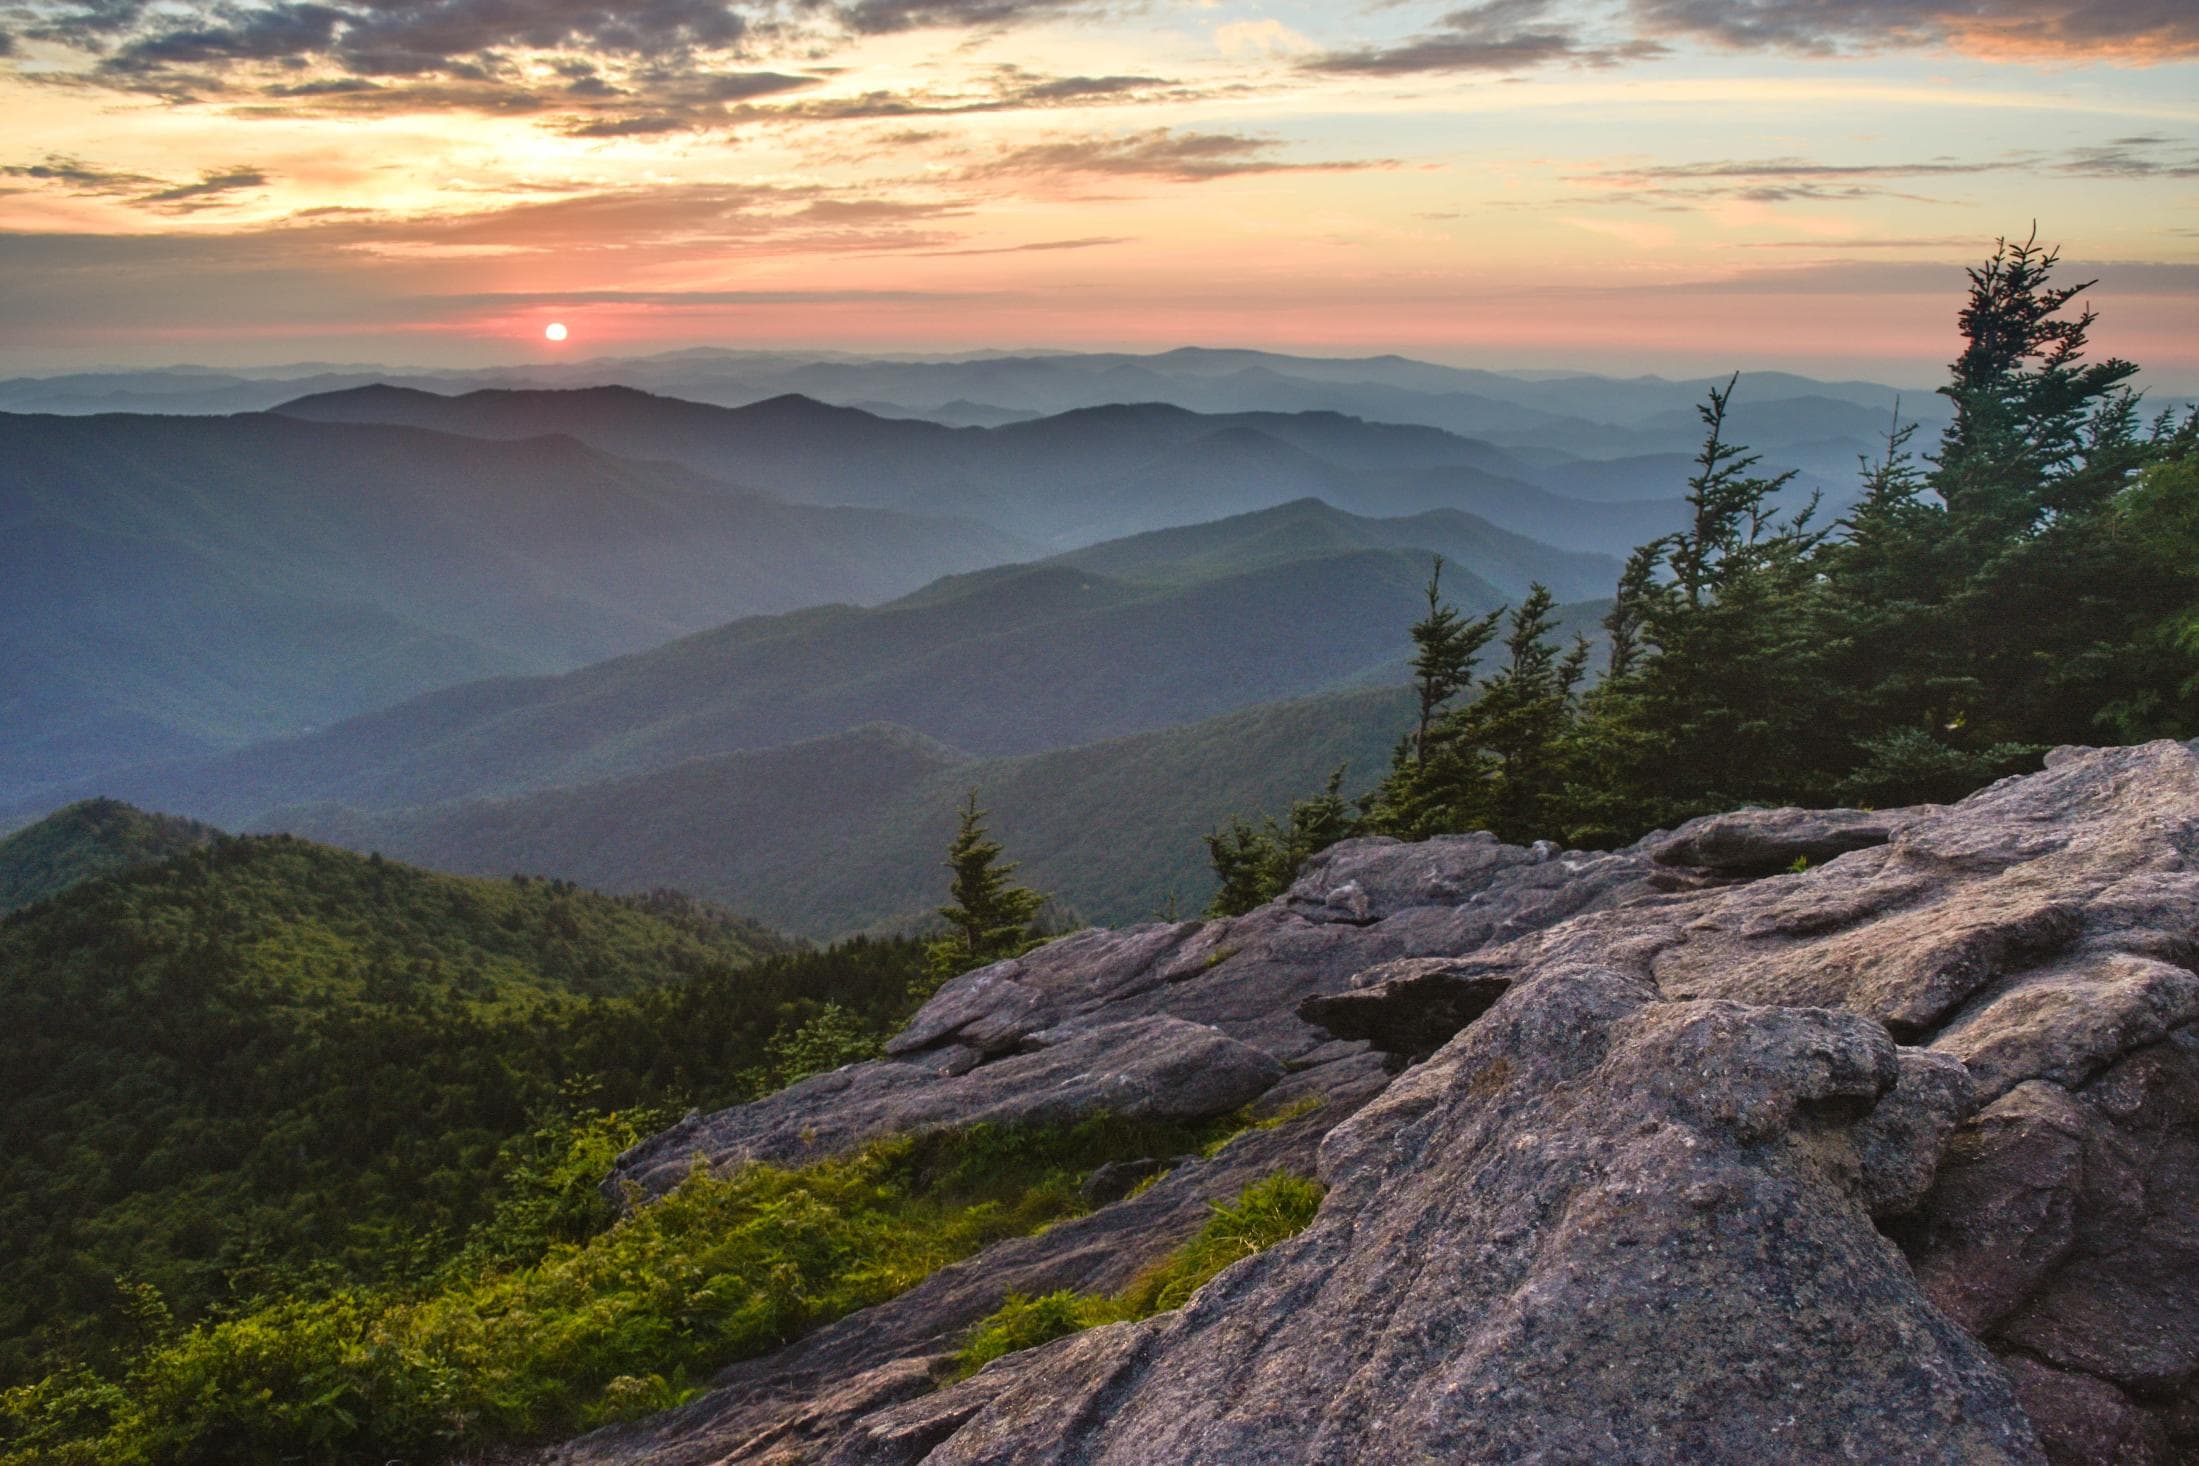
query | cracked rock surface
[1788, 1135]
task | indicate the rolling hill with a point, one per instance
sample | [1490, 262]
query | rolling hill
[1068, 480]
[177, 585]
[847, 832]
[1170, 628]
[263, 1064]
[85, 841]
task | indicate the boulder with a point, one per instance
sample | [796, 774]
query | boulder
[1146, 1069]
[1893, 1157]
[1763, 842]
[1602, 1227]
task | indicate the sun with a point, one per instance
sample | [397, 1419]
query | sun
[555, 331]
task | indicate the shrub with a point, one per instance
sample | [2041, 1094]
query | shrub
[1265, 1213]
[535, 1333]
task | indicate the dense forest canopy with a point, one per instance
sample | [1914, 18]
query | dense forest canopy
[2033, 582]
[264, 1064]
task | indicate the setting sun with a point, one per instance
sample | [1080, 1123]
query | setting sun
[555, 331]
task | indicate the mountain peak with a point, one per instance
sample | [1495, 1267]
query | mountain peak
[85, 840]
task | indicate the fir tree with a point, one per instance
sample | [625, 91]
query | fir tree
[1445, 648]
[1255, 864]
[988, 917]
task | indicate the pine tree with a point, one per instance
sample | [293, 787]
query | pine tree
[2035, 425]
[1255, 864]
[1716, 675]
[1445, 648]
[1495, 762]
[1629, 614]
[988, 917]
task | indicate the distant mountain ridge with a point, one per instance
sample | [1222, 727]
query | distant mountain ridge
[1070, 479]
[1162, 630]
[1816, 425]
[175, 585]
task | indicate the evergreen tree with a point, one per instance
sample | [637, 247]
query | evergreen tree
[1445, 648]
[1497, 762]
[2037, 430]
[988, 917]
[2037, 584]
[1255, 864]
[1623, 624]
[1715, 657]
[1989, 611]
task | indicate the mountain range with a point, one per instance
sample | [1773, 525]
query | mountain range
[845, 832]
[1813, 424]
[1164, 629]
[175, 585]
[1067, 480]
[620, 636]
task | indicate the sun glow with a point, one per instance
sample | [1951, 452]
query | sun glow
[555, 331]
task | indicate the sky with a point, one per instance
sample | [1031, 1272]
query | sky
[1640, 185]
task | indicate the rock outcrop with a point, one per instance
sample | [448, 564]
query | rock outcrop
[1787, 1136]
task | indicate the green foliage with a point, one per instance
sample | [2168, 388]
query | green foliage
[264, 1065]
[1025, 1323]
[831, 1037]
[1264, 1213]
[1256, 864]
[2037, 584]
[536, 1330]
[1492, 762]
[90, 839]
[988, 917]
[1445, 647]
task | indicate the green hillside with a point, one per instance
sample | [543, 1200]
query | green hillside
[86, 840]
[1198, 623]
[174, 585]
[844, 832]
[262, 1062]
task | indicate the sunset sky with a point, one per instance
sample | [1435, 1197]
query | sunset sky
[1649, 185]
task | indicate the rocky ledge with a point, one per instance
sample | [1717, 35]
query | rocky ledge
[1787, 1136]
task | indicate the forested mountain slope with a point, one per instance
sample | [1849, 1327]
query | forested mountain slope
[262, 1055]
[87, 840]
[843, 833]
[1015, 660]
[173, 585]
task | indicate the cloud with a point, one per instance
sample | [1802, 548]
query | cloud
[1788, 179]
[2132, 31]
[412, 37]
[2131, 157]
[877, 16]
[618, 69]
[1043, 246]
[193, 47]
[1014, 90]
[1963, 242]
[1177, 155]
[78, 176]
[140, 189]
[689, 298]
[210, 184]
[1496, 36]
[390, 55]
